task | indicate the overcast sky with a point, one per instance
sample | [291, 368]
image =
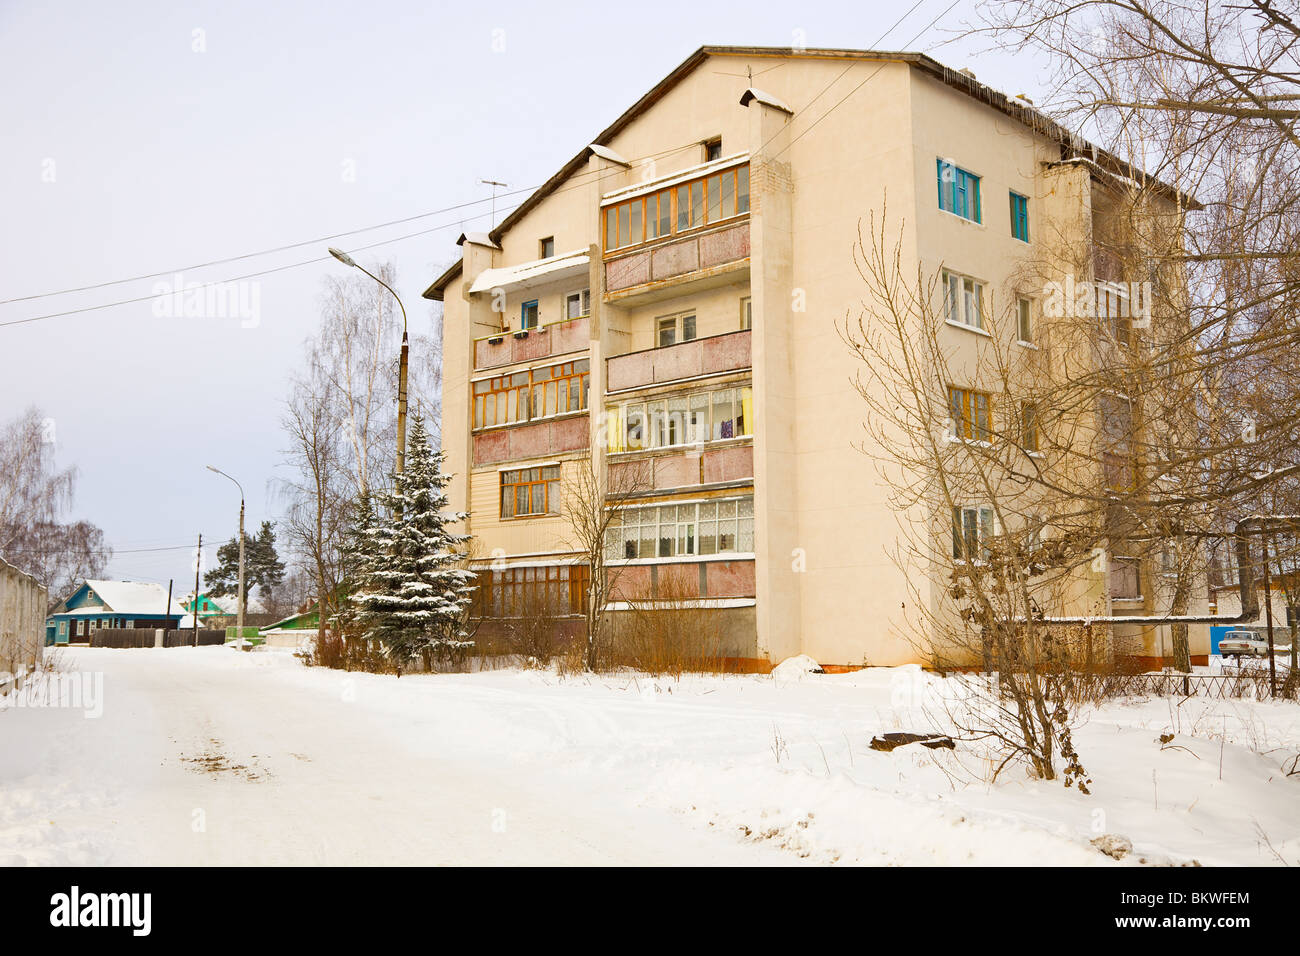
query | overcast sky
[142, 138]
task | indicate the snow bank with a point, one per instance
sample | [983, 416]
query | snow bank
[795, 669]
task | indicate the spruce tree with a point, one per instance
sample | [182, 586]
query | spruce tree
[413, 595]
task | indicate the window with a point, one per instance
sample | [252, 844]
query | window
[530, 491]
[1115, 310]
[1125, 578]
[959, 191]
[971, 413]
[529, 314]
[690, 205]
[1024, 320]
[1029, 426]
[963, 300]
[713, 149]
[1117, 427]
[672, 329]
[972, 533]
[1020, 217]
[746, 313]
[557, 591]
[1036, 526]
[1119, 472]
[546, 247]
[530, 394]
[659, 214]
[683, 419]
[669, 531]
[577, 304]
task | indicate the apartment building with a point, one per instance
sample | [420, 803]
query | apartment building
[667, 303]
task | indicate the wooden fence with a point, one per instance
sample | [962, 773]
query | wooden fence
[23, 603]
[148, 637]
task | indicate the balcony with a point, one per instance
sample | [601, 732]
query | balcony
[536, 439]
[714, 355]
[690, 227]
[557, 338]
[698, 465]
[710, 255]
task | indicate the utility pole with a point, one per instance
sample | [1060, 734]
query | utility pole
[194, 605]
[170, 582]
[1268, 620]
[239, 620]
[239, 640]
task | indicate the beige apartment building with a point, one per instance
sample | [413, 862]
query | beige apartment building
[668, 302]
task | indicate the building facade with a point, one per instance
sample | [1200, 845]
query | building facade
[666, 307]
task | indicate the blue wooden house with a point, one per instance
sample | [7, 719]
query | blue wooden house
[104, 604]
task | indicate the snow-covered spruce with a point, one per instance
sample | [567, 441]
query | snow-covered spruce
[412, 591]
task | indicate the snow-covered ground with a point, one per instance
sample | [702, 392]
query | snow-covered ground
[212, 756]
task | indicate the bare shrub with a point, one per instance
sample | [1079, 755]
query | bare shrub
[671, 634]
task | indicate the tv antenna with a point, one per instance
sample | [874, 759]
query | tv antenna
[494, 184]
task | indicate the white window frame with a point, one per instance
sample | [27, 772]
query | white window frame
[1025, 320]
[678, 320]
[583, 298]
[967, 304]
[688, 529]
[982, 531]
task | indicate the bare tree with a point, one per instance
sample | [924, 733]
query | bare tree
[341, 419]
[593, 503]
[317, 513]
[34, 497]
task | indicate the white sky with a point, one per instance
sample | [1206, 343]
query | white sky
[161, 157]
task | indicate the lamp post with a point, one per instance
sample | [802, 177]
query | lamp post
[347, 260]
[239, 619]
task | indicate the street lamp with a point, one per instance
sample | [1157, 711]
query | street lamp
[239, 620]
[347, 260]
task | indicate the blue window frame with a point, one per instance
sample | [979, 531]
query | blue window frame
[528, 315]
[1020, 217]
[959, 191]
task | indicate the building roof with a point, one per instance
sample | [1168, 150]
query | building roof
[1018, 109]
[126, 597]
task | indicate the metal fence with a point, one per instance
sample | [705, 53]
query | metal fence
[1246, 684]
[23, 604]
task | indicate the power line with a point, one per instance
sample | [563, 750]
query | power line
[574, 185]
[948, 9]
[252, 255]
[306, 242]
[216, 282]
[105, 551]
[306, 262]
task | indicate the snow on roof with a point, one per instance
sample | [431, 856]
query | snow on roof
[604, 152]
[767, 99]
[229, 604]
[532, 273]
[96, 609]
[135, 597]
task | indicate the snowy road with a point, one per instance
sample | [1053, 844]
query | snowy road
[209, 756]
